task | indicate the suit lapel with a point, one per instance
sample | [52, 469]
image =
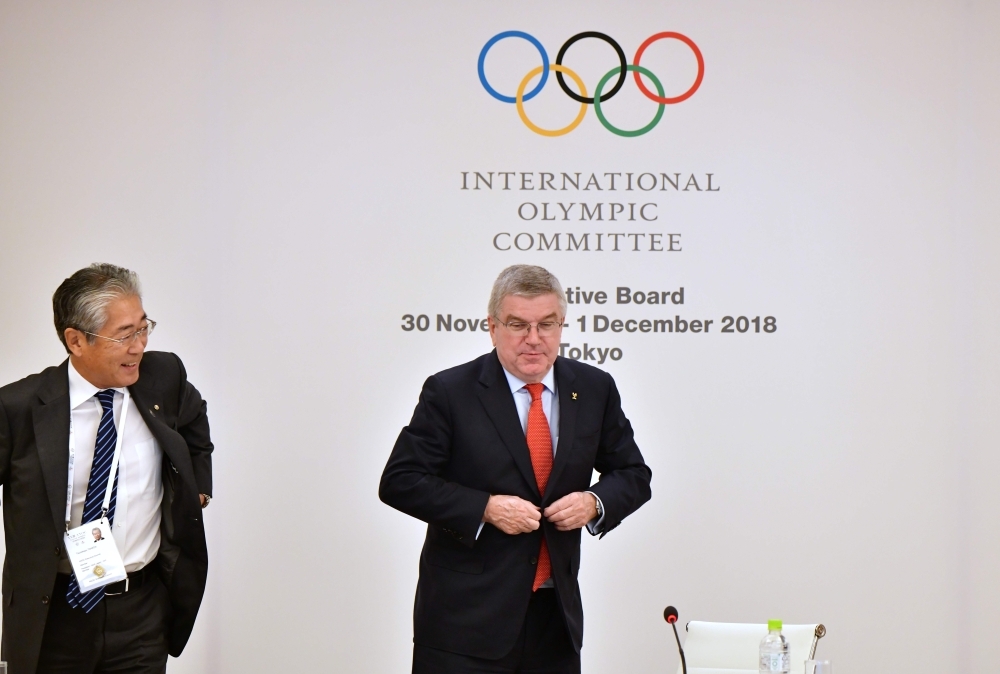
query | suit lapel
[145, 396]
[495, 395]
[567, 421]
[50, 419]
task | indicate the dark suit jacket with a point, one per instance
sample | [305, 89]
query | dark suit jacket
[464, 443]
[34, 461]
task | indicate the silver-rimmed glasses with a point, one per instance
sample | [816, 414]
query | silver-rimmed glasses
[521, 328]
[129, 340]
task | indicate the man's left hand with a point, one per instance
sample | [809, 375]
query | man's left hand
[572, 511]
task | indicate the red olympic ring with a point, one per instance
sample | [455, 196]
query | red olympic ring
[697, 82]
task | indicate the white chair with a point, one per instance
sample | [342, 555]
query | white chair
[733, 648]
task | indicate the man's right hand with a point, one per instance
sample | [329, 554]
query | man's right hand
[512, 514]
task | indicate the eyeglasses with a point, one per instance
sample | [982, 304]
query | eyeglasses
[128, 340]
[521, 329]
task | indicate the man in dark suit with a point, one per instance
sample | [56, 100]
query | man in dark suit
[498, 460]
[163, 480]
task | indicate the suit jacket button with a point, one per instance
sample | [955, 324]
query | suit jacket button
[58, 550]
[45, 599]
[533, 561]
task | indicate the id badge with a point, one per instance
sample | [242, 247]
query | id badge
[95, 558]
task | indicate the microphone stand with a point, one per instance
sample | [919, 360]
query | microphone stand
[684, 667]
[670, 615]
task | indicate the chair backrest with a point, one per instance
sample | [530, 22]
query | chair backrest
[734, 648]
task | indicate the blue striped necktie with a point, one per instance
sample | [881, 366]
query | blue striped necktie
[97, 485]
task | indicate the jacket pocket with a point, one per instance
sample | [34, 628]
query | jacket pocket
[462, 561]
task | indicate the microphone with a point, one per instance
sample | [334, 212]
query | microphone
[670, 615]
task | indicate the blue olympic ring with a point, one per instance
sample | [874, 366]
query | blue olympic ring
[482, 62]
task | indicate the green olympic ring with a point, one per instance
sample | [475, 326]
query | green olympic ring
[622, 132]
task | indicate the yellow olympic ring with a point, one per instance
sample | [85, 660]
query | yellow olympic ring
[524, 116]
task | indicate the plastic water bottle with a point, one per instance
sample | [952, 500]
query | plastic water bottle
[774, 650]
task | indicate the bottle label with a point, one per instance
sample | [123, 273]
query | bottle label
[774, 662]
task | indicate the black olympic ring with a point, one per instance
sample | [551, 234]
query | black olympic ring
[621, 57]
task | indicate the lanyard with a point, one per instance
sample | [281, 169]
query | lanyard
[114, 461]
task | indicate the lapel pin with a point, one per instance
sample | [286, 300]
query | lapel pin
[574, 395]
[156, 407]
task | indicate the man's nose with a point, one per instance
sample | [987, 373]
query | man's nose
[137, 347]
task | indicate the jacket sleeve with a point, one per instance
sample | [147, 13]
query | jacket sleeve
[413, 480]
[192, 424]
[6, 445]
[625, 477]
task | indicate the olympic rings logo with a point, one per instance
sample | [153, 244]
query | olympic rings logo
[599, 96]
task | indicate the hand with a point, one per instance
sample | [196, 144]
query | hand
[572, 511]
[512, 514]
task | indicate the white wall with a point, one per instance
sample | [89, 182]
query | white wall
[285, 177]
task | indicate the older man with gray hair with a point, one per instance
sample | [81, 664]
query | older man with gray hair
[105, 462]
[497, 460]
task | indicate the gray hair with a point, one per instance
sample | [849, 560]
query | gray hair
[525, 280]
[82, 300]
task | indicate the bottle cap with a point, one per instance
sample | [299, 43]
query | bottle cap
[773, 625]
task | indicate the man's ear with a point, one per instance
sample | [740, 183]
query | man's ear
[74, 341]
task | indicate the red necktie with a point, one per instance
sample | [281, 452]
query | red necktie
[539, 438]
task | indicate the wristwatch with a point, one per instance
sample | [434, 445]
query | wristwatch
[597, 505]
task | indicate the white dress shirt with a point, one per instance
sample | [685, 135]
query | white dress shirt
[550, 403]
[136, 527]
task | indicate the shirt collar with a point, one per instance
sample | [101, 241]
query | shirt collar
[81, 390]
[549, 380]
